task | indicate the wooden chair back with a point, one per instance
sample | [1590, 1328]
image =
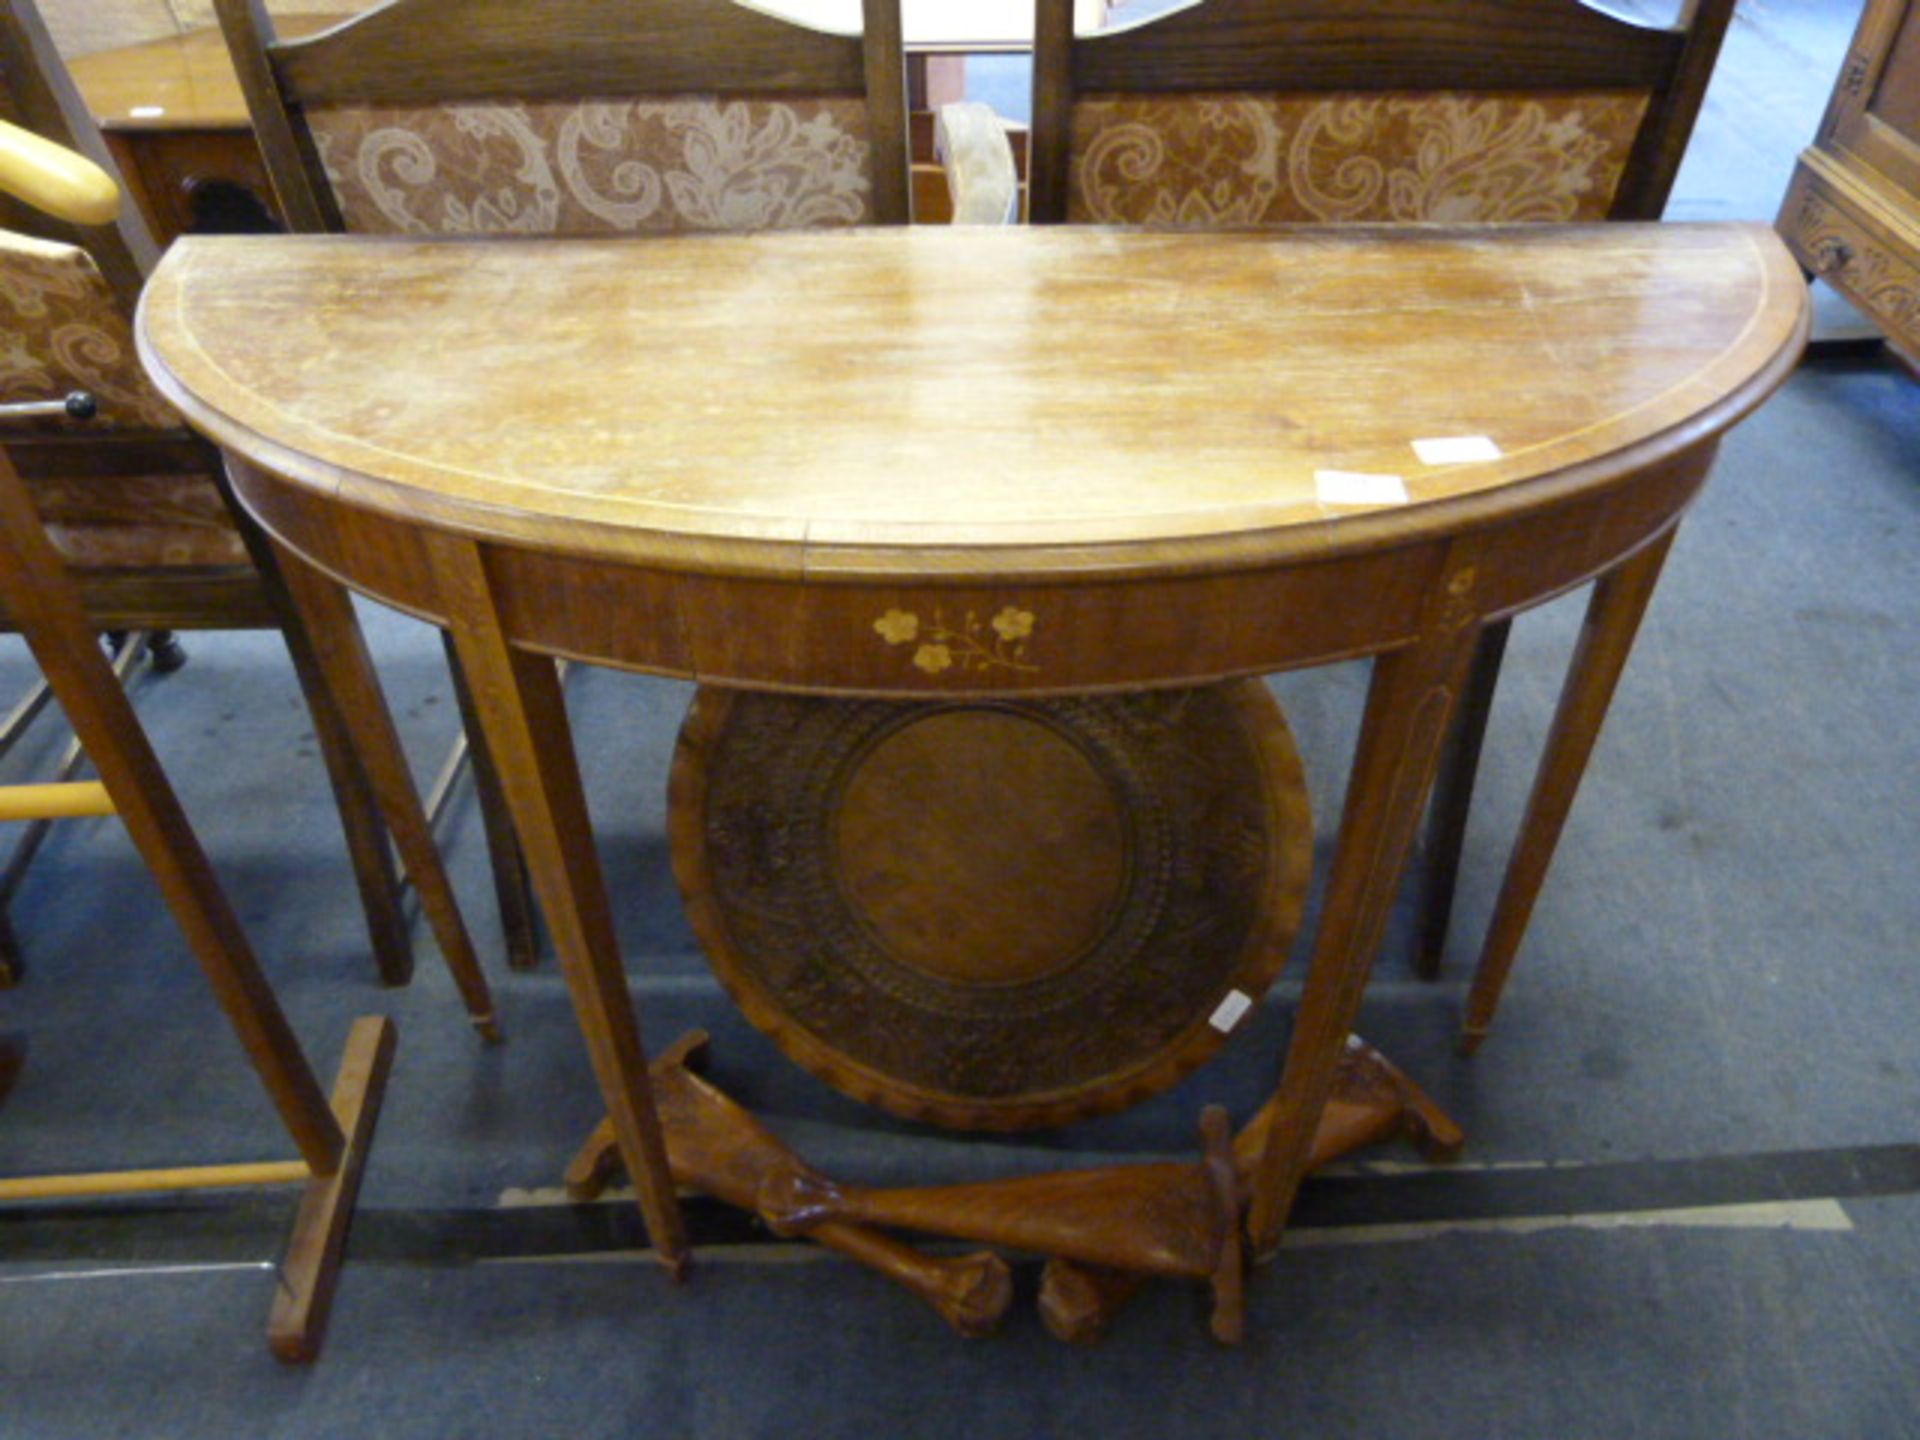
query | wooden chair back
[37, 94]
[577, 117]
[129, 498]
[1258, 112]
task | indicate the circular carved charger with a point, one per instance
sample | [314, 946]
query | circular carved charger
[992, 915]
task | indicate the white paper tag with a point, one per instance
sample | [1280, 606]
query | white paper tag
[1230, 1011]
[1456, 450]
[146, 112]
[1354, 487]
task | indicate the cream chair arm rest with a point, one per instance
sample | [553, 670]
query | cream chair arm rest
[972, 144]
[54, 179]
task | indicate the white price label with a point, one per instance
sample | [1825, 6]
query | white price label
[1456, 450]
[1231, 1011]
[1354, 487]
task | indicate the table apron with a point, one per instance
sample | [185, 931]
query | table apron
[949, 636]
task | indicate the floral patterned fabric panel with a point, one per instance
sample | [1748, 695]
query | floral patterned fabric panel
[596, 166]
[139, 522]
[61, 330]
[1232, 159]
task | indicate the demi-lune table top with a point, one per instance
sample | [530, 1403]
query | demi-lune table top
[1058, 402]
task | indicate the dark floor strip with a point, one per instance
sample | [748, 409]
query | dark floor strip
[253, 1226]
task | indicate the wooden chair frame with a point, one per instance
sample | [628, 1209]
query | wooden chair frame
[334, 1139]
[373, 804]
[432, 51]
[1302, 46]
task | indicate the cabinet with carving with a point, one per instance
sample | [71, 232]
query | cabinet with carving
[1852, 213]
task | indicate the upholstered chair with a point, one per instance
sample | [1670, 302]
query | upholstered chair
[135, 503]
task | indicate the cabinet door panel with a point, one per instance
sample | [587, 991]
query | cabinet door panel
[1876, 113]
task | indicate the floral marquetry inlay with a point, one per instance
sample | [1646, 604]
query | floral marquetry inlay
[969, 647]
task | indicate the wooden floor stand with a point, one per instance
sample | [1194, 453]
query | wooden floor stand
[311, 1267]
[1103, 1230]
[715, 1146]
[333, 1139]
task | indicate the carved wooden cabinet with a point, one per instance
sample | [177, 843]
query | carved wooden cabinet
[1852, 213]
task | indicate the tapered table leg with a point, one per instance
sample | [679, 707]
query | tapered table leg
[522, 713]
[340, 650]
[1409, 706]
[512, 885]
[361, 820]
[1453, 800]
[1606, 638]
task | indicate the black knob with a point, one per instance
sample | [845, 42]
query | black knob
[82, 406]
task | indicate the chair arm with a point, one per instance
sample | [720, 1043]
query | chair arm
[972, 144]
[54, 179]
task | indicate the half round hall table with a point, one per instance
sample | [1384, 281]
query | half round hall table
[783, 462]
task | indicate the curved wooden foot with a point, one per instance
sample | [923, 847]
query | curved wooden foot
[1161, 1219]
[593, 1167]
[1104, 1230]
[972, 1293]
[1078, 1302]
[715, 1146]
[1373, 1100]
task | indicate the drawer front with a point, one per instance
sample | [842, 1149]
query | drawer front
[1879, 272]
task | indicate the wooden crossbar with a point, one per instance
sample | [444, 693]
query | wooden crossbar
[63, 801]
[138, 1182]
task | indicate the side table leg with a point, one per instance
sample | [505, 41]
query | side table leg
[340, 650]
[523, 714]
[1409, 706]
[512, 885]
[1453, 801]
[1606, 638]
[361, 820]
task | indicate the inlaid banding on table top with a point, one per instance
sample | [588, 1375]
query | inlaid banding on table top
[782, 404]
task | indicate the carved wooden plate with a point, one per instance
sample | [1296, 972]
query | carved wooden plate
[993, 915]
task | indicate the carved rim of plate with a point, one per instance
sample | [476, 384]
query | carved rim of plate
[825, 853]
